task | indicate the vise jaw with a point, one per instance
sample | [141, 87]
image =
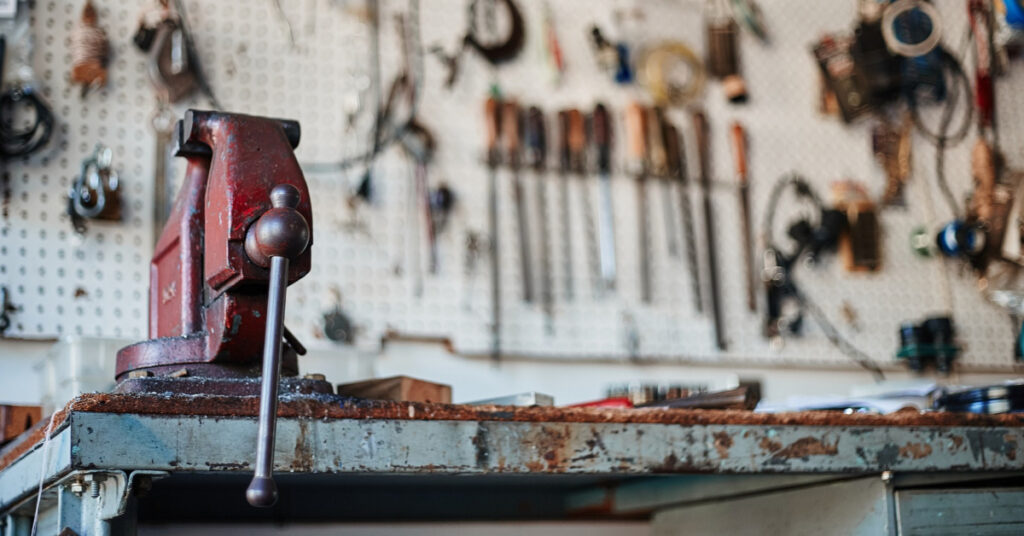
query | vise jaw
[208, 298]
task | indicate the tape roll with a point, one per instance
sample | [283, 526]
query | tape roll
[657, 66]
[910, 50]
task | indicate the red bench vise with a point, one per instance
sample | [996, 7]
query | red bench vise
[208, 303]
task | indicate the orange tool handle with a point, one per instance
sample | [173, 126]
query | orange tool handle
[636, 131]
[510, 127]
[739, 145]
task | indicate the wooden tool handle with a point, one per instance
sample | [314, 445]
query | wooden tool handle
[700, 132]
[636, 131]
[670, 137]
[601, 134]
[577, 132]
[510, 127]
[492, 118]
[739, 145]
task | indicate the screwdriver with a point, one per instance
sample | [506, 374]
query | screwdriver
[636, 136]
[492, 116]
[510, 134]
[536, 155]
[700, 127]
[577, 162]
[602, 138]
[676, 156]
[657, 156]
[739, 144]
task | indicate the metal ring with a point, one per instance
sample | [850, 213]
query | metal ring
[910, 50]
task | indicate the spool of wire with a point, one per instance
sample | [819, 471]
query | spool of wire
[672, 73]
[89, 50]
[903, 7]
[961, 239]
[1006, 398]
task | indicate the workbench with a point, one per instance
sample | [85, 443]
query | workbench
[115, 461]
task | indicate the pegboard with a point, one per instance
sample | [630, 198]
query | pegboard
[97, 284]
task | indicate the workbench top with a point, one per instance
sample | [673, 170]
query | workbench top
[338, 437]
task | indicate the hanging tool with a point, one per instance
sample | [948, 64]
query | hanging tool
[657, 157]
[636, 136]
[419, 145]
[552, 47]
[675, 150]
[492, 119]
[510, 124]
[90, 51]
[441, 202]
[602, 138]
[739, 144]
[96, 192]
[565, 167]
[700, 128]
[536, 157]
[578, 143]
[723, 50]
[495, 51]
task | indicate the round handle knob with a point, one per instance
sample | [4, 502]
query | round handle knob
[280, 231]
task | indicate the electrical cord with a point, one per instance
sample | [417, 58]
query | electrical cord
[15, 142]
[834, 336]
[943, 138]
[386, 131]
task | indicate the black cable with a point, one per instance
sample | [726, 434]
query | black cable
[385, 131]
[803, 189]
[960, 85]
[16, 142]
[837, 339]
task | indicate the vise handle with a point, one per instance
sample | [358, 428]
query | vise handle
[278, 236]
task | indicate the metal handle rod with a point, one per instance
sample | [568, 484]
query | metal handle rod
[546, 285]
[692, 265]
[606, 233]
[525, 261]
[567, 263]
[492, 202]
[262, 490]
[644, 236]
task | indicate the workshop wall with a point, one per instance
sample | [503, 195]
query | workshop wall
[309, 59]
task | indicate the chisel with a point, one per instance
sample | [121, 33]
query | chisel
[602, 137]
[676, 154]
[739, 144]
[700, 128]
[492, 115]
[636, 137]
[510, 135]
[536, 157]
